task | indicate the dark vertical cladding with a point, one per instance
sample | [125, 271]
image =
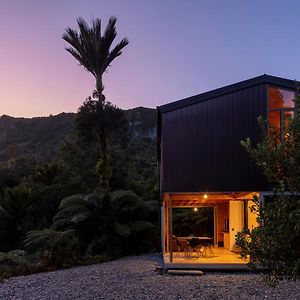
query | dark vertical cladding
[200, 146]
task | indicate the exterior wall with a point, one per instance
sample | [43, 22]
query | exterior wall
[200, 144]
[236, 220]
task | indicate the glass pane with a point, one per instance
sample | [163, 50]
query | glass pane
[280, 98]
[288, 116]
[274, 119]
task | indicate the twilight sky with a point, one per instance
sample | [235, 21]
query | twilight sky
[177, 48]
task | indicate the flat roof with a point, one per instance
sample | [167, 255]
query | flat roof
[281, 82]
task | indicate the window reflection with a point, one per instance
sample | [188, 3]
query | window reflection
[279, 98]
[274, 119]
[288, 117]
[281, 109]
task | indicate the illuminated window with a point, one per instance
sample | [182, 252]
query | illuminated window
[281, 108]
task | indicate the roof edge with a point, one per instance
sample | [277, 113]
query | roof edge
[269, 79]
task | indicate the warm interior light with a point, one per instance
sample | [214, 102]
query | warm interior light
[205, 196]
[195, 209]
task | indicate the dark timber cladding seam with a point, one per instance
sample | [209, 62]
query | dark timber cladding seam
[201, 143]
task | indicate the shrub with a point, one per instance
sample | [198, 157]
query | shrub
[54, 248]
[15, 263]
[110, 223]
[274, 244]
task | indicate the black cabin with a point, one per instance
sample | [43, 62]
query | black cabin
[202, 164]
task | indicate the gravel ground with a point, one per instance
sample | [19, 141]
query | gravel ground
[135, 278]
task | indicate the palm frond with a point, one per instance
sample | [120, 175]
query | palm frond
[4, 213]
[40, 237]
[76, 199]
[122, 229]
[97, 33]
[71, 36]
[14, 202]
[61, 223]
[92, 49]
[80, 217]
[70, 212]
[117, 51]
[108, 36]
[139, 226]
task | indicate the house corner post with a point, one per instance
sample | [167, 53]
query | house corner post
[170, 229]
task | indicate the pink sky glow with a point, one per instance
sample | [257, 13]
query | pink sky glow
[177, 49]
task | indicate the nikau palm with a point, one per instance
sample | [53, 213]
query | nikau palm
[92, 50]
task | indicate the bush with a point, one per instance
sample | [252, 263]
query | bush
[109, 224]
[54, 248]
[274, 244]
[16, 263]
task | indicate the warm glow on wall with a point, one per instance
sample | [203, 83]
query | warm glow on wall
[205, 196]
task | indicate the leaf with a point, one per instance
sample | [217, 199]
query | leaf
[122, 229]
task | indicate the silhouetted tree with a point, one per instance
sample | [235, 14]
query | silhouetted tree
[93, 51]
[95, 118]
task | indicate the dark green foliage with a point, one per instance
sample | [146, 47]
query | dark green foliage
[47, 174]
[54, 248]
[135, 168]
[243, 240]
[27, 143]
[108, 223]
[92, 117]
[14, 204]
[95, 122]
[78, 160]
[36, 140]
[49, 159]
[275, 242]
[48, 185]
[15, 263]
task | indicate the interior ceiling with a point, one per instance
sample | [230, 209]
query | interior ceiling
[199, 199]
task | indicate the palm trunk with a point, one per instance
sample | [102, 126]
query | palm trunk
[103, 168]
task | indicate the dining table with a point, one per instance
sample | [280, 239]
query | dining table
[201, 245]
[188, 238]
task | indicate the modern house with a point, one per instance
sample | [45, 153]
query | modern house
[203, 165]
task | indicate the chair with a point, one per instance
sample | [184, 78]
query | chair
[181, 246]
[207, 248]
[185, 247]
[196, 246]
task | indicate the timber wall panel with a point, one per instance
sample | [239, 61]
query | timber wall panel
[200, 144]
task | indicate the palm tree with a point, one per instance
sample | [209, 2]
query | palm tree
[56, 248]
[47, 174]
[14, 203]
[109, 223]
[92, 50]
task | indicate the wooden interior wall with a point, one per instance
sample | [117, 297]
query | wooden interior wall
[223, 212]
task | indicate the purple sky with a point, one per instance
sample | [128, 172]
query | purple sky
[177, 48]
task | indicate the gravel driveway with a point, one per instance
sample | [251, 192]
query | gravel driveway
[135, 278]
